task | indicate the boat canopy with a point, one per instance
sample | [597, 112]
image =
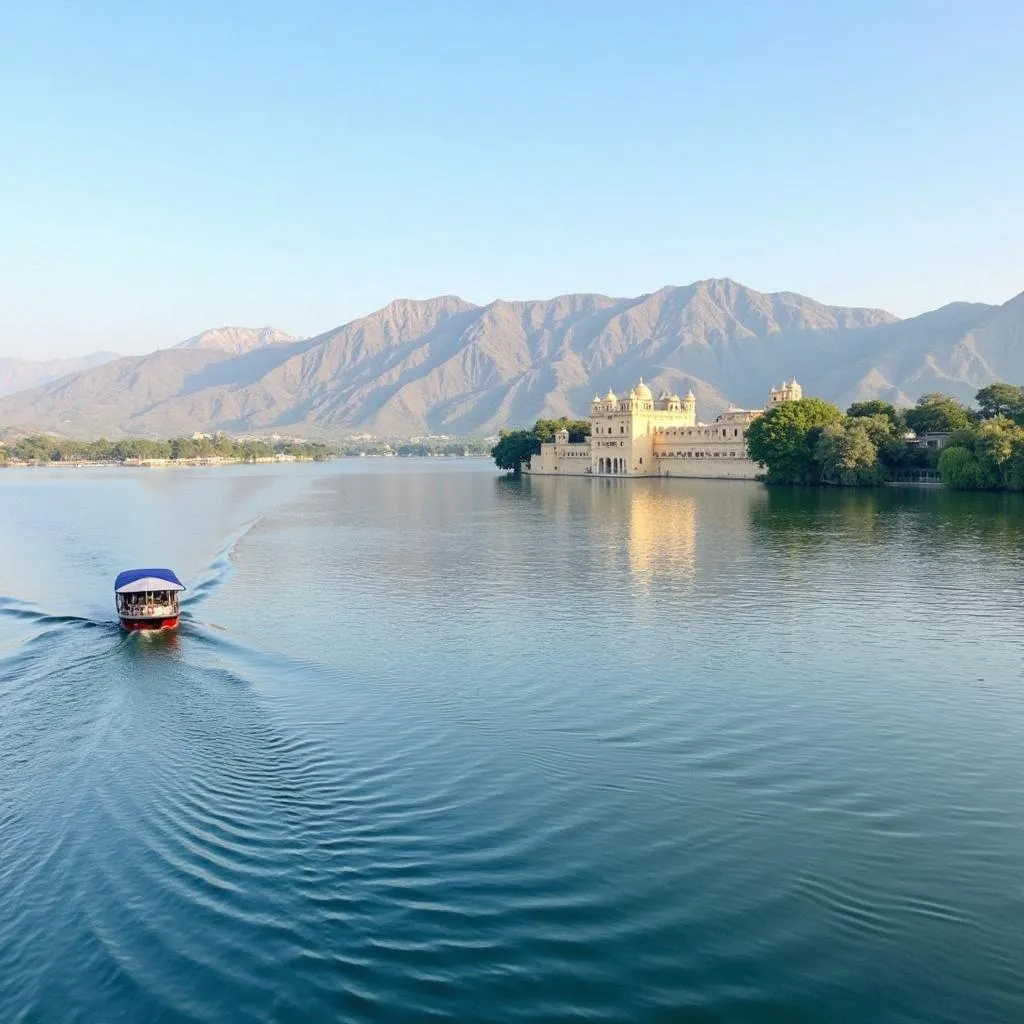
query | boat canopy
[136, 581]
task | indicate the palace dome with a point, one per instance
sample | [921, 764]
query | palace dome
[674, 398]
[610, 397]
[643, 392]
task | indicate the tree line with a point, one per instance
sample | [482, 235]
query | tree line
[40, 448]
[813, 442]
[457, 449]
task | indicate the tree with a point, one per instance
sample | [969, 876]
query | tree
[784, 439]
[937, 413]
[886, 436]
[1001, 400]
[993, 445]
[1013, 468]
[184, 448]
[36, 448]
[545, 430]
[876, 407]
[847, 456]
[515, 447]
[959, 469]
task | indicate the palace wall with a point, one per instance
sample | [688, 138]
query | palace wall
[638, 436]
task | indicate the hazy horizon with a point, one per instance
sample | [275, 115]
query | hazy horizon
[183, 169]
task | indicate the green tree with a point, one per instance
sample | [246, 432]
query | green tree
[223, 445]
[35, 448]
[1001, 400]
[515, 447]
[847, 455]
[938, 413]
[994, 443]
[996, 456]
[184, 448]
[545, 430]
[784, 439]
[876, 407]
[1013, 469]
[960, 469]
[887, 437]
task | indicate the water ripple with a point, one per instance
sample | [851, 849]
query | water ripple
[457, 750]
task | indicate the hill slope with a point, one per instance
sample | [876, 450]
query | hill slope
[19, 374]
[446, 365]
[237, 339]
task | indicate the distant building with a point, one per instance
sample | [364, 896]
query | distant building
[930, 439]
[640, 436]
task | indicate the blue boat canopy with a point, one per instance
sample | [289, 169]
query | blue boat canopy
[135, 581]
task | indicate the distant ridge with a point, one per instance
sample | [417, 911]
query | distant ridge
[237, 339]
[19, 374]
[445, 365]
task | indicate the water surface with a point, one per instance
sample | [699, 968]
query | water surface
[436, 745]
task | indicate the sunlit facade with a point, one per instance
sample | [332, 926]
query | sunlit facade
[641, 436]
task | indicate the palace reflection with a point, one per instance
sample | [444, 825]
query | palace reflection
[662, 533]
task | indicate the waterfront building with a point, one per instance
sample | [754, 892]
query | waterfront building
[929, 439]
[638, 435]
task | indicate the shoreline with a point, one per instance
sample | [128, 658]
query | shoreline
[214, 463]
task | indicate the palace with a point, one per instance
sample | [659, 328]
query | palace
[638, 435]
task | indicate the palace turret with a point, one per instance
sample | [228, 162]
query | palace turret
[632, 434]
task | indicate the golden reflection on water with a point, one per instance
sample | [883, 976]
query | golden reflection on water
[646, 528]
[662, 533]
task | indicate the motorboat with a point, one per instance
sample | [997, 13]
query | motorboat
[148, 599]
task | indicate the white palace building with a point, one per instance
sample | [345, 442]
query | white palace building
[638, 435]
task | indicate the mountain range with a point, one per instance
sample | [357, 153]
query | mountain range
[237, 340]
[445, 365]
[20, 374]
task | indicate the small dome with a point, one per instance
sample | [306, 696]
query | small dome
[643, 392]
[690, 396]
[674, 398]
[610, 397]
[597, 398]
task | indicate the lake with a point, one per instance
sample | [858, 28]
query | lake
[433, 744]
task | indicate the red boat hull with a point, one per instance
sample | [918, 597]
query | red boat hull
[135, 625]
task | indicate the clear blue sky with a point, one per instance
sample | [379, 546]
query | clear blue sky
[168, 167]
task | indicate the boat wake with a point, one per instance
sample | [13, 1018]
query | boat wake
[13, 608]
[219, 570]
[217, 573]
